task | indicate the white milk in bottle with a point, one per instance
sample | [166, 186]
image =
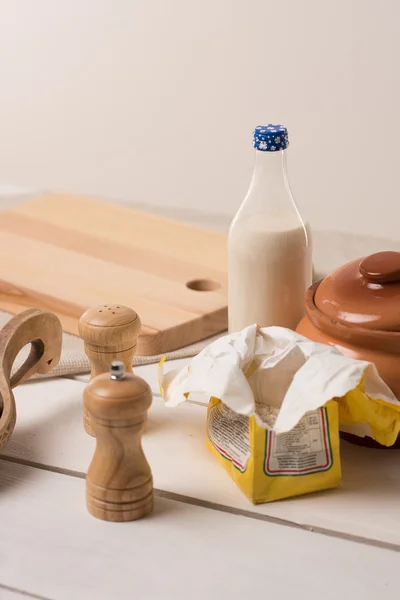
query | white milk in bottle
[269, 245]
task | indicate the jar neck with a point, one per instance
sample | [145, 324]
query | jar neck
[269, 199]
[269, 169]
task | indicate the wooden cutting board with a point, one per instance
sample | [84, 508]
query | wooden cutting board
[67, 253]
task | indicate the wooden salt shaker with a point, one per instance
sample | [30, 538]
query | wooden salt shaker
[110, 332]
[119, 483]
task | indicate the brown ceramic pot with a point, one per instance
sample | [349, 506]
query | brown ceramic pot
[357, 310]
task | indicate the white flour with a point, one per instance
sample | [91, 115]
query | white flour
[268, 414]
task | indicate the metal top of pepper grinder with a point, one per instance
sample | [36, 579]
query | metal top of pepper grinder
[117, 370]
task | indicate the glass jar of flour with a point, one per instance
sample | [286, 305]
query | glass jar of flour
[269, 244]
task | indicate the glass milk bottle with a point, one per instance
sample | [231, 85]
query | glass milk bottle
[269, 245]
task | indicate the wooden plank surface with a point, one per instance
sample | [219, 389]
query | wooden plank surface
[52, 547]
[67, 253]
[49, 432]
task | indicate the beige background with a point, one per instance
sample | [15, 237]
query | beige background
[154, 101]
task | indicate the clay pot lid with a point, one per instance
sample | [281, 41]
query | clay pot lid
[364, 292]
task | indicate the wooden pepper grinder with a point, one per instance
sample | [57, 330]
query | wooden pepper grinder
[119, 483]
[110, 332]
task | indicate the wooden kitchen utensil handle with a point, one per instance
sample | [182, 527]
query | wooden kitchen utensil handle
[43, 331]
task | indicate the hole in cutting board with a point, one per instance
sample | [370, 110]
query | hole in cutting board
[203, 285]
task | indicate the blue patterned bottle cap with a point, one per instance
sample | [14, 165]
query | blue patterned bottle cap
[270, 138]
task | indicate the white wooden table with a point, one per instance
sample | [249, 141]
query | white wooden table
[205, 540]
